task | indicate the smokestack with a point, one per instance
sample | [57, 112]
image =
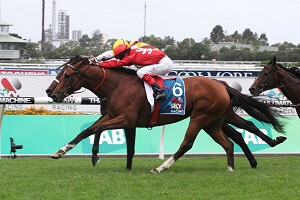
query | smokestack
[43, 27]
[54, 19]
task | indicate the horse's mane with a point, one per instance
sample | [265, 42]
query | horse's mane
[125, 70]
[292, 70]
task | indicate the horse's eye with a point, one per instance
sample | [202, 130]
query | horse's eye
[67, 75]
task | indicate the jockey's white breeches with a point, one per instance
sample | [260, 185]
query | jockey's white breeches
[164, 66]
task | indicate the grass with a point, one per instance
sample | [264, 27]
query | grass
[188, 178]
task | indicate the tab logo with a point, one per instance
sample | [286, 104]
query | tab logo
[253, 141]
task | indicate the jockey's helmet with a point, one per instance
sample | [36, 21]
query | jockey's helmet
[119, 42]
[121, 50]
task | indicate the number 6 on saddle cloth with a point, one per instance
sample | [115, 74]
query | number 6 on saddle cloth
[174, 103]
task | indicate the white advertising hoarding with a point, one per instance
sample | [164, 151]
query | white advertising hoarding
[35, 86]
[29, 85]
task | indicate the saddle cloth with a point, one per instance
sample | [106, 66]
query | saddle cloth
[174, 103]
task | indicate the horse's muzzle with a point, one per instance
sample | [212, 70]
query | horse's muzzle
[254, 91]
[49, 92]
[57, 98]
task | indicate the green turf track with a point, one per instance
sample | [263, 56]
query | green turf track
[188, 178]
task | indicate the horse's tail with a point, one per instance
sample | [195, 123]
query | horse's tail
[256, 109]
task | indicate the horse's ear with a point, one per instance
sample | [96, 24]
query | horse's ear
[274, 61]
[86, 61]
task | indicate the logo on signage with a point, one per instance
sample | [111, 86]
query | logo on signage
[254, 142]
[110, 141]
[9, 88]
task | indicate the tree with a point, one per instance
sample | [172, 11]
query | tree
[263, 40]
[199, 51]
[173, 52]
[206, 40]
[32, 50]
[97, 41]
[248, 36]
[187, 42]
[85, 42]
[237, 38]
[154, 41]
[168, 40]
[217, 34]
[286, 45]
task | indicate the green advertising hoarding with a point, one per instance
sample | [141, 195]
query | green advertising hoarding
[42, 135]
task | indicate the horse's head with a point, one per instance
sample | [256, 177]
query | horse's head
[266, 79]
[54, 83]
[70, 78]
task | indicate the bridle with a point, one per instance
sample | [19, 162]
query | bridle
[264, 85]
[280, 86]
[81, 75]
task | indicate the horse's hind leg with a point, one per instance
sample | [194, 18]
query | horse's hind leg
[238, 139]
[186, 145]
[227, 145]
[239, 122]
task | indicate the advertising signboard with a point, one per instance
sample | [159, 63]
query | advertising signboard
[44, 135]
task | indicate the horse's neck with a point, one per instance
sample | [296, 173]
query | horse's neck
[113, 81]
[290, 92]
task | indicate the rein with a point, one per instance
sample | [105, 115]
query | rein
[82, 75]
[75, 72]
[288, 85]
[104, 76]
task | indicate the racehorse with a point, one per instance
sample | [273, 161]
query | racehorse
[275, 75]
[80, 73]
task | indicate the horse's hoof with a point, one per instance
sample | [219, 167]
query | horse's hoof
[128, 168]
[230, 169]
[253, 166]
[280, 139]
[95, 160]
[154, 171]
[56, 156]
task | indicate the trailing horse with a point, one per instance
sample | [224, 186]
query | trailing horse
[274, 75]
[127, 107]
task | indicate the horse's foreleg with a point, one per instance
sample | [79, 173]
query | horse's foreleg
[238, 139]
[105, 123]
[130, 141]
[90, 130]
[95, 149]
[186, 145]
[298, 111]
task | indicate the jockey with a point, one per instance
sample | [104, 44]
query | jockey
[133, 44]
[151, 62]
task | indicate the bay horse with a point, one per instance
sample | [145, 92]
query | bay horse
[78, 73]
[275, 75]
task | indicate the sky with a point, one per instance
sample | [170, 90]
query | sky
[180, 19]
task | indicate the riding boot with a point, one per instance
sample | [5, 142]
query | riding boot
[159, 93]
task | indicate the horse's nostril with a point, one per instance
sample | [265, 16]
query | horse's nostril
[252, 91]
[49, 92]
[54, 97]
